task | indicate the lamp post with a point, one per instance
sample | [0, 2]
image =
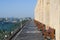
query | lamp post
[21, 22]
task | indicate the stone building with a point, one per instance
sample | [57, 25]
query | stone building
[48, 13]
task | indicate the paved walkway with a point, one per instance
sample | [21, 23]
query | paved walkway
[29, 32]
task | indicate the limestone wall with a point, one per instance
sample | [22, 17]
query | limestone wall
[38, 11]
[48, 13]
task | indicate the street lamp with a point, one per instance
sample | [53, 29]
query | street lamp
[21, 22]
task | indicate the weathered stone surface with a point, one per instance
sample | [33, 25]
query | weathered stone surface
[48, 13]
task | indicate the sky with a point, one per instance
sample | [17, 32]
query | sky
[17, 8]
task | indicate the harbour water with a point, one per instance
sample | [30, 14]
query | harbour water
[6, 26]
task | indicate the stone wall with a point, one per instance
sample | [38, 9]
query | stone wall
[48, 13]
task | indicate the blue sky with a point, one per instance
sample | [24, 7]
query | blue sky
[17, 8]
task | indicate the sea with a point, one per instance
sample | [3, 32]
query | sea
[6, 26]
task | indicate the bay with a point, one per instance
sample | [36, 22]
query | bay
[6, 26]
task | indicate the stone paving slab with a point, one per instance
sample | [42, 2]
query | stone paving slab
[29, 32]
